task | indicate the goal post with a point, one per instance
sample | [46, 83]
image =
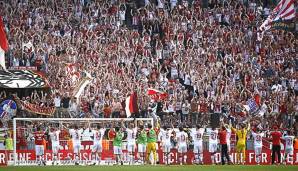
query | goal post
[67, 120]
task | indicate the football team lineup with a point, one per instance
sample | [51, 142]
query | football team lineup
[143, 142]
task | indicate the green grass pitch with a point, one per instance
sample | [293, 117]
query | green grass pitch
[152, 168]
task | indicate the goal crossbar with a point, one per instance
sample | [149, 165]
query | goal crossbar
[66, 119]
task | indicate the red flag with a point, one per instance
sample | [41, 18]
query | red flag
[157, 94]
[131, 104]
[3, 39]
[3, 44]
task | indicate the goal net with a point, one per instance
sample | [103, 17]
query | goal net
[24, 152]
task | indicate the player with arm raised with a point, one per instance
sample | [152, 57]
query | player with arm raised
[164, 137]
[76, 136]
[289, 149]
[222, 135]
[229, 133]
[213, 143]
[54, 136]
[276, 136]
[142, 143]
[97, 136]
[117, 143]
[241, 142]
[258, 144]
[151, 144]
[182, 140]
[197, 136]
[131, 141]
[39, 137]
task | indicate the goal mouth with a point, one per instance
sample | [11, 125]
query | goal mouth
[23, 129]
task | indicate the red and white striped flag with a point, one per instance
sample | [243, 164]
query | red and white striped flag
[3, 44]
[284, 10]
[131, 105]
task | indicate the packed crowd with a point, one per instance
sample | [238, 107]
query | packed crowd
[208, 60]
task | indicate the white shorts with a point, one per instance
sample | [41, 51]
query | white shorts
[124, 146]
[182, 148]
[117, 150]
[212, 147]
[55, 148]
[166, 148]
[198, 148]
[97, 148]
[258, 150]
[39, 150]
[229, 146]
[76, 148]
[289, 151]
[131, 147]
[141, 148]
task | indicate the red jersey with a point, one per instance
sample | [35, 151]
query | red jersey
[111, 134]
[276, 136]
[39, 137]
[222, 135]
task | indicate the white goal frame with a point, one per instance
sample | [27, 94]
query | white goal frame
[15, 158]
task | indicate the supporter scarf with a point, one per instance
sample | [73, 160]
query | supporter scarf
[33, 108]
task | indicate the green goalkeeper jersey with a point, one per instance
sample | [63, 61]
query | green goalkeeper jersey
[142, 138]
[151, 136]
[8, 144]
[118, 139]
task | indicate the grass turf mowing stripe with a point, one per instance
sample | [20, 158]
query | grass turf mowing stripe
[151, 168]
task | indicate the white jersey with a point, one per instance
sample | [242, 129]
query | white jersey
[98, 135]
[181, 138]
[229, 132]
[213, 136]
[165, 136]
[75, 135]
[54, 136]
[197, 135]
[289, 141]
[131, 135]
[258, 139]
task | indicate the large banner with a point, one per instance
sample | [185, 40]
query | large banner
[27, 157]
[22, 79]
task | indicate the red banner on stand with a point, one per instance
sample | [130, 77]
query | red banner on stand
[29, 155]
